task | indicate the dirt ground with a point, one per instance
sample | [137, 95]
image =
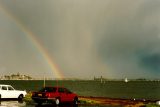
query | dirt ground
[115, 102]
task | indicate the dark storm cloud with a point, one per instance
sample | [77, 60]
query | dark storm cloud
[125, 37]
[150, 62]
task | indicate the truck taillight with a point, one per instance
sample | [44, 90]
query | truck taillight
[48, 94]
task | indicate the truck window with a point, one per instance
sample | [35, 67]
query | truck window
[4, 88]
[61, 90]
[10, 88]
[68, 91]
[48, 89]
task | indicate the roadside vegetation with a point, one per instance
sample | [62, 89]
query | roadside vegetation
[152, 105]
[28, 98]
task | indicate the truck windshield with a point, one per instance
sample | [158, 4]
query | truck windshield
[48, 89]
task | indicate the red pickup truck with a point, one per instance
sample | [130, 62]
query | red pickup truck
[55, 95]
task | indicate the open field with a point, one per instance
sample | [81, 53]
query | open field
[148, 90]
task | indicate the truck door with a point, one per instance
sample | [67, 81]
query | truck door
[69, 95]
[62, 94]
[12, 92]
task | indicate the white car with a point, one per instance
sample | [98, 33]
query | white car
[8, 92]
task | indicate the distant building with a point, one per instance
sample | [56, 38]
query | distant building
[17, 76]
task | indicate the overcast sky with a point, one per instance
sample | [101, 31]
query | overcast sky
[84, 38]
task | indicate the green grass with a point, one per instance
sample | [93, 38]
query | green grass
[152, 105]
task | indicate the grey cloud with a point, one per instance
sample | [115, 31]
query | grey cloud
[92, 38]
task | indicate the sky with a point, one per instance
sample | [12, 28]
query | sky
[80, 38]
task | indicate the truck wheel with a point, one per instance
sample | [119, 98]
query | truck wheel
[20, 97]
[57, 101]
[75, 101]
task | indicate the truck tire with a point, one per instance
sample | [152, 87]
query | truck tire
[75, 101]
[20, 97]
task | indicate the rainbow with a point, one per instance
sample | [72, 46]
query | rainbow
[37, 44]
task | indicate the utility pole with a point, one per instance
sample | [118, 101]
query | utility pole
[44, 82]
[101, 79]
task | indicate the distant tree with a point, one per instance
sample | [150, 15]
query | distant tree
[18, 74]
